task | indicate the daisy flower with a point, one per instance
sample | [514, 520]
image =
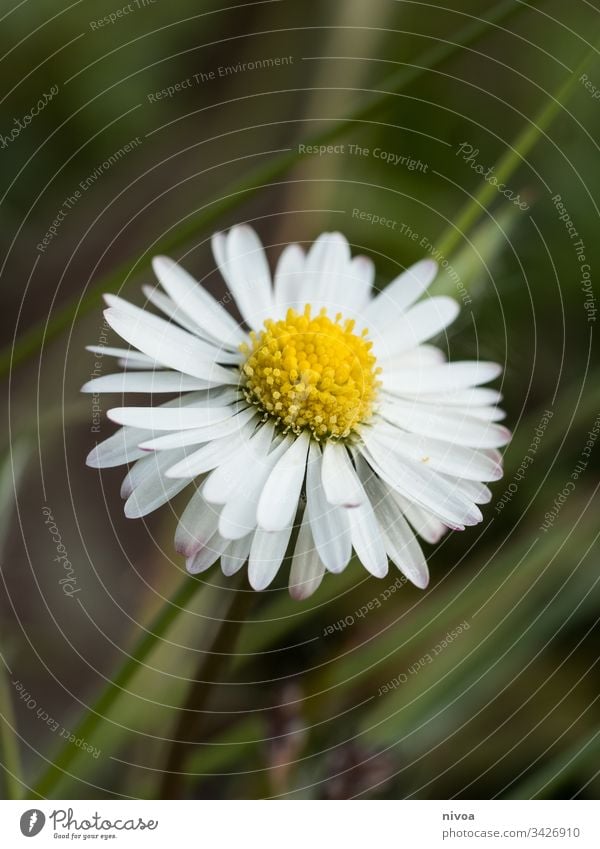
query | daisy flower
[326, 423]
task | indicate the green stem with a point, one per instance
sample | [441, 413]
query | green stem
[169, 611]
[34, 338]
[11, 760]
[11, 474]
[210, 666]
[514, 156]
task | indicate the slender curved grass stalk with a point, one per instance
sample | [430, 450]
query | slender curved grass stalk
[9, 748]
[380, 99]
[210, 666]
[493, 650]
[470, 215]
[10, 475]
[156, 630]
[275, 622]
[514, 156]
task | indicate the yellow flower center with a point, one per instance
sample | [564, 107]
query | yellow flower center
[311, 373]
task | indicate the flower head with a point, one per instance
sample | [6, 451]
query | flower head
[311, 373]
[330, 413]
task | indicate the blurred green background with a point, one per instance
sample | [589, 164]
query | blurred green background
[348, 694]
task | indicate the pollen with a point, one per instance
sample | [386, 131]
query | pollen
[311, 374]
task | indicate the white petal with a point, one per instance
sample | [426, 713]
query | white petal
[239, 515]
[122, 353]
[400, 542]
[227, 347]
[288, 279]
[218, 244]
[441, 456]
[154, 489]
[174, 418]
[266, 555]
[197, 303]
[340, 483]
[417, 483]
[401, 293]
[209, 456]
[486, 414]
[119, 448]
[449, 403]
[475, 398]
[144, 381]
[123, 446]
[307, 571]
[325, 276]
[359, 285]
[449, 424]
[419, 357]
[208, 349]
[477, 492]
[196, 436]
[426, 319]
[169, 308]
[367, 538]
[279, 499]
[246, 272]
[405, 552]
[241, 470]
[449, 377]
[151, 495]
[329, 524]
[196, 526]
[235, 555]
[170, 346]
[133, 365]
[425, 524]
[208, 555]
[138, 472]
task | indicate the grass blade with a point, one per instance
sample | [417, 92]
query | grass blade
[12, 470]
[34, 339]
[514, 156]
[146, 643]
